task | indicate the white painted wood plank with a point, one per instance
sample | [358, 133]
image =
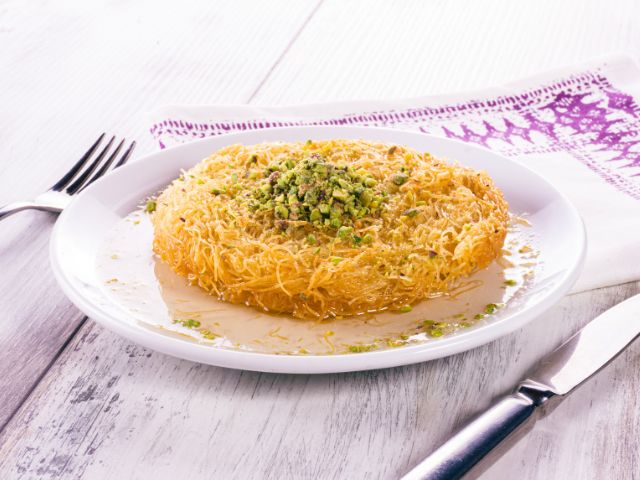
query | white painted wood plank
[73, 69]
[109, 409]
[380, 49]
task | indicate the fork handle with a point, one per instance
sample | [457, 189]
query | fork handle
[11, 208]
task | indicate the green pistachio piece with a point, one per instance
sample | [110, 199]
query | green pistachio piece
[400, 178]
[344, 232]
[315, 215]
[366, 197]
[281, 212]
[340, 194]
[150, 206]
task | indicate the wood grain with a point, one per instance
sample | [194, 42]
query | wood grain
[71, 71]
[380, 49]
[108, 409]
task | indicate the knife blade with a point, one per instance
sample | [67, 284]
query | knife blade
[559, 374]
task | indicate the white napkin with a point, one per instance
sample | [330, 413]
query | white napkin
[578, 126]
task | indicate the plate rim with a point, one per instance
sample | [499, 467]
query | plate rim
[316, 364]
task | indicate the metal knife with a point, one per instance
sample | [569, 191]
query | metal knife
[559, 374]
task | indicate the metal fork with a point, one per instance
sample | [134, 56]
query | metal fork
[75, 180]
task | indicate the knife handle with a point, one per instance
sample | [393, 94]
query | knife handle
[465, 449]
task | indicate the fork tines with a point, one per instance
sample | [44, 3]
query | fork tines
[82, 173]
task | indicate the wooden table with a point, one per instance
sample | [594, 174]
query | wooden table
[77, 401]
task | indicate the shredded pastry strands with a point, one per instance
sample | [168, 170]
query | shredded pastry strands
[439, 224]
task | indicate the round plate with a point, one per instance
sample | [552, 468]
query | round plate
[81, 229]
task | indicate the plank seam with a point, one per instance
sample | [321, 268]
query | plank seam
[42, 374]
[82, 322]
[285, 51]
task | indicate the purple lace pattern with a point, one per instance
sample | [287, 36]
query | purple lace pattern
[583, 115]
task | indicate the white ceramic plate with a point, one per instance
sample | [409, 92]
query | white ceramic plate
[82, 227]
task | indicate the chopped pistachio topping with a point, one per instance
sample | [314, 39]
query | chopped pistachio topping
[281, 212]
[510, 283]
[361, 348]
[208, 334]
[150, 206]
[433, 328]
[343, 232]
[490, 308]
[188, 322]
[400, 178]
[312, 190]
[405, 309]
